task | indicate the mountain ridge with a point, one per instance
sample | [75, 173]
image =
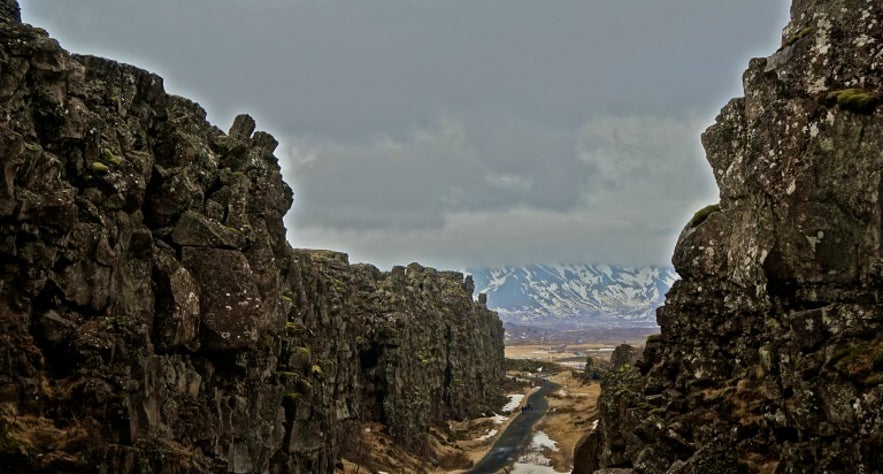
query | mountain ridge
[575, 294]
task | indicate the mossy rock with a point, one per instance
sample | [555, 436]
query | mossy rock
[109, 157]
[316, 371]
[99, 169]
[703, 214]
[293, 326]
[239, 233]
[799, 35]
[862, 362]
[33, 147]
[854, 100]
[268, 343]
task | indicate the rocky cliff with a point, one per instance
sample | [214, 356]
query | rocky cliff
[154, 319]
[771, 352]
[411, 341]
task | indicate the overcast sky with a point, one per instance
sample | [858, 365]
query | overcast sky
[458, 132]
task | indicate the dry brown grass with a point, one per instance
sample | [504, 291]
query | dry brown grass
[38, 438]
[571, 412]
[372, 449]
[453, 450]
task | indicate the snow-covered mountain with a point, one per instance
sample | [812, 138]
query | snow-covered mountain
[575, 294]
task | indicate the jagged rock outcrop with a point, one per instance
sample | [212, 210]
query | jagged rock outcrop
[771, 352]
[406, 338]
[153, 317]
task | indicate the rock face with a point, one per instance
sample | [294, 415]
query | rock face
[771, 352]
[153, 317]
[407, 339]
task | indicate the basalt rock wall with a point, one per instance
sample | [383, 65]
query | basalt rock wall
[153, 317]
[408, 339]
[770, 357]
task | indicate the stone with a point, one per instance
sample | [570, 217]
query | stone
[231, 309]
[177, 317]
[9, 10]
[196, 230]
[242, 128]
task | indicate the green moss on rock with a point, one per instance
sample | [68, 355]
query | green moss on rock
[316, 371]
[855, 100]
[99, 168]
[799, 35]
[703, 214]
[109, 157]
[861, 362]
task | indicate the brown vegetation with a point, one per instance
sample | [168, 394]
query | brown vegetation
[572, 409]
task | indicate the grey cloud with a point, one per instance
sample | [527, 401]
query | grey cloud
[634, 155]
[455, 130]
[414, 180]
[348, 68]
[511, 237]
[633, 183]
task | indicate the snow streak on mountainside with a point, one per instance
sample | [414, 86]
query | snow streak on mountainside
[575, 294]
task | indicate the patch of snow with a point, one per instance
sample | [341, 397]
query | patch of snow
[498, 419]
[526, 468]
[514, 402]
[605, 269]
[533, 461]
[534, 458]
[523, 468]
[542, 440]
[490, 434]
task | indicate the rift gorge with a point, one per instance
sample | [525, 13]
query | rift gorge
[154, 317]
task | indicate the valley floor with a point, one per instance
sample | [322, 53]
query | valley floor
[572, 410]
